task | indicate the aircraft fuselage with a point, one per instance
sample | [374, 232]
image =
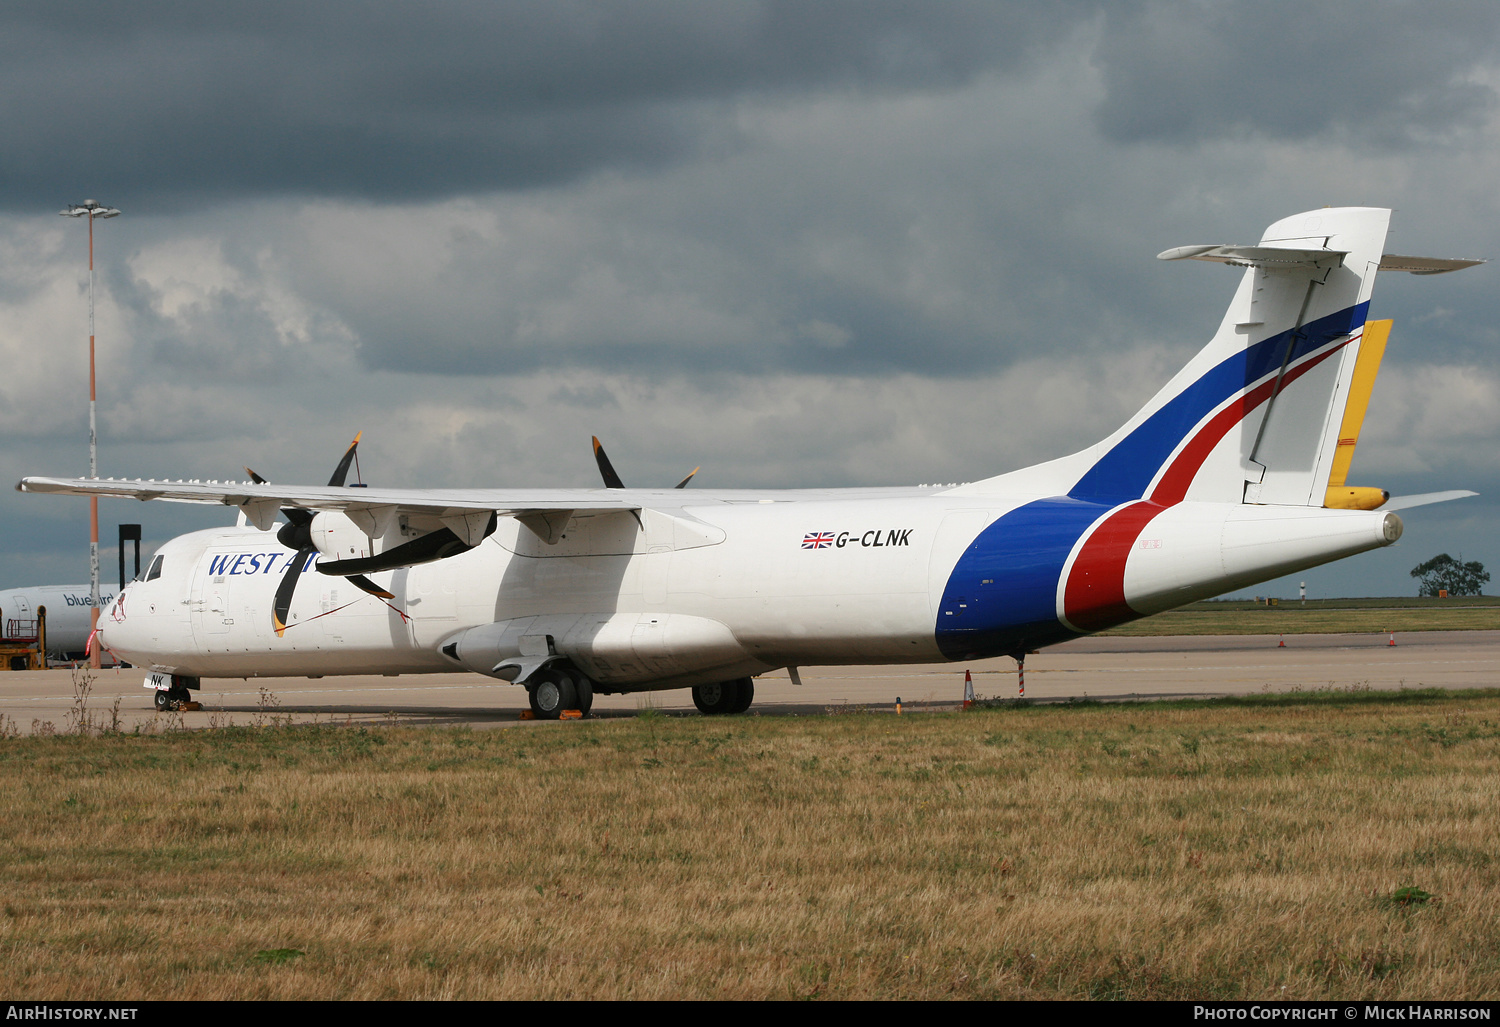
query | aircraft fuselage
[722, 586]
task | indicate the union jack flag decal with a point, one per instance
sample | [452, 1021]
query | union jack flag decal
[817, 540]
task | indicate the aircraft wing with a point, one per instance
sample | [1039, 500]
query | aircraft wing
[465, 511]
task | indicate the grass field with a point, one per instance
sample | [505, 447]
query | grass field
[1319, 616]
[1254, 848]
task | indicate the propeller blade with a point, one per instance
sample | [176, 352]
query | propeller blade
[283, 603]
[606, 469]
[683, 483]
[361, 582]
[296, 534]
[342, 470]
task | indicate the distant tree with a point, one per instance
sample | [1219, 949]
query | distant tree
[1459, 578]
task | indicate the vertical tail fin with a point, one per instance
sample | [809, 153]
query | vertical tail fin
[1253, 422]
[1247, 419]
[1255, 416]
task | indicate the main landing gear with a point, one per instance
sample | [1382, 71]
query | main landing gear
[724, 697]
[174, 698]
[557, 688]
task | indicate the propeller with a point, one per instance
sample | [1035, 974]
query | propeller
[606, 469]
[296, 534]
[612, 480]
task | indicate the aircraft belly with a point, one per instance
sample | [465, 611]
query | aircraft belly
[651, 647]
[854, 629]
[300, 663]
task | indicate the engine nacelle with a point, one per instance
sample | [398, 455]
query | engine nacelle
[339, 538]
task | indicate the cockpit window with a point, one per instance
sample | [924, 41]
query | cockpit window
[155, 571]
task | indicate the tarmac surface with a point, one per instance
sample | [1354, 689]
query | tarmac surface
[1095, 668]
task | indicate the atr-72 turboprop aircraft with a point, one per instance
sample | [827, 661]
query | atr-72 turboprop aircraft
[1232, 474]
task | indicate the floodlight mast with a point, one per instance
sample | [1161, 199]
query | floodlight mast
[91, 209]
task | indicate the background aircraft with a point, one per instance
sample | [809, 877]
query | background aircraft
[1232, 474]
[67, 609]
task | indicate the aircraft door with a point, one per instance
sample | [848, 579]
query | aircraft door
[19, 611]
[208, 606]
[431, 603]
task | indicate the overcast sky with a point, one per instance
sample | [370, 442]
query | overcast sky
[811, 243]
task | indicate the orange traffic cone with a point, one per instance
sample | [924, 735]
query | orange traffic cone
[1281, 644]
[968, 690]
[1392, 644]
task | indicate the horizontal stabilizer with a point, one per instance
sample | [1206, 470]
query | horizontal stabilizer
[1272, 258]
[1425, 265]
[1426, 498]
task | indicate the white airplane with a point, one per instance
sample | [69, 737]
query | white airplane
[1231, 475]
[67, 614]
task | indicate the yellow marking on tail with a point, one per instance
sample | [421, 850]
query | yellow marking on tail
[1366, 368]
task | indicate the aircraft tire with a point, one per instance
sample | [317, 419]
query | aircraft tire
[746, 695]
[585, 689]
[551, 693]
[163, 701]
[717, 699]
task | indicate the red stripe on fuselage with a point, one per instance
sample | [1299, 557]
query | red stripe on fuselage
[1173, 485]
[1094, 597]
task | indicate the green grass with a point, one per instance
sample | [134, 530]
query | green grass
[1321, 616]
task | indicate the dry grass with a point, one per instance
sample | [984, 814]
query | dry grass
[1245, 848]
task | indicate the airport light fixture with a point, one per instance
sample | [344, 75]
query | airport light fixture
[90, 210]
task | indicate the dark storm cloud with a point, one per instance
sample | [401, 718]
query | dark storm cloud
[387, 100]
[1385, 74]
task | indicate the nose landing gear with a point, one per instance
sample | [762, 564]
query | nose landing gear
[175, 698]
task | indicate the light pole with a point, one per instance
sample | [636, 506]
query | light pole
[90, 209]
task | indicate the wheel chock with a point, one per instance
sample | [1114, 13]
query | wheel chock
[190, 706]
[527, 715]
[570, 715]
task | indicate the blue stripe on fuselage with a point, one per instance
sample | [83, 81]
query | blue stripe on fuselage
[1126, 471]
[1002, 595]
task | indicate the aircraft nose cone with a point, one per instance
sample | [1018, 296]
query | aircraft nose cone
[112, 621]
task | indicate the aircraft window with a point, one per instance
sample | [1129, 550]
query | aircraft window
[155, 571]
